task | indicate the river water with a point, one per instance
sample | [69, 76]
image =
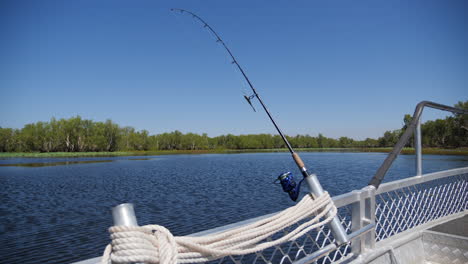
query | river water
[58, 210]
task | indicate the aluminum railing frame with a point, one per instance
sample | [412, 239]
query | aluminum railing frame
[359, 211]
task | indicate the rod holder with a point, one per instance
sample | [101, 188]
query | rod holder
[335, 225]
[124, 215]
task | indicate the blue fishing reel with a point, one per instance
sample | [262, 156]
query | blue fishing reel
[289, 185]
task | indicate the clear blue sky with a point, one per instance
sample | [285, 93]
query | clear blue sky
[341, 68]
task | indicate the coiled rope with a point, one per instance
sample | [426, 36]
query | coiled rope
[156, 244]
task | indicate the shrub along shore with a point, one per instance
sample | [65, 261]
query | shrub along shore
[405, 151]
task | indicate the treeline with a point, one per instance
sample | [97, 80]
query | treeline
[451, 132]
[82, 135]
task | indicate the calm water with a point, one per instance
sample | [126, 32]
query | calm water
[60, 213]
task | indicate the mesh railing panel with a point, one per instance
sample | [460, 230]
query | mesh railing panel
[396, 211]
[344, 213]
[408, 207]
[294, 250]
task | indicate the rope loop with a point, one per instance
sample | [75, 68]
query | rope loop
[156, 244]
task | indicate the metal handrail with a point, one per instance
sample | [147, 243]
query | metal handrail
[380, 174]
[363, 206]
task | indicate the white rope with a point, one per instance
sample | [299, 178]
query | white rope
[156, 244]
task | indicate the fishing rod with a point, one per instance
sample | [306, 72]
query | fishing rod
[286, 179]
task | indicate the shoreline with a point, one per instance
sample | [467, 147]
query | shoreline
[405, 151]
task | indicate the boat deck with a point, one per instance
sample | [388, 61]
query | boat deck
[442, 244]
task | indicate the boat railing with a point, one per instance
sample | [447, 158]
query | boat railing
[395, 208]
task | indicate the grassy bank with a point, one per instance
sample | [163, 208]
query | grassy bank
[434, 151]
[429, 151]
[101, 154]
[405, 151]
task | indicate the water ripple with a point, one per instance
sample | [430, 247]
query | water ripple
[60, 214]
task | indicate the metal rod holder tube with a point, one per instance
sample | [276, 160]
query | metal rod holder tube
[335, 225]
[418, 148]
[124, 215]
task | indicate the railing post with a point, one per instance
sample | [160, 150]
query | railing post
[369, 214]
[357, 216]
[418, 148]
[363, 214]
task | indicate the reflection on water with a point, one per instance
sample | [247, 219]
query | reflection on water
[58, 163]
[457, 158]
[60, 214]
